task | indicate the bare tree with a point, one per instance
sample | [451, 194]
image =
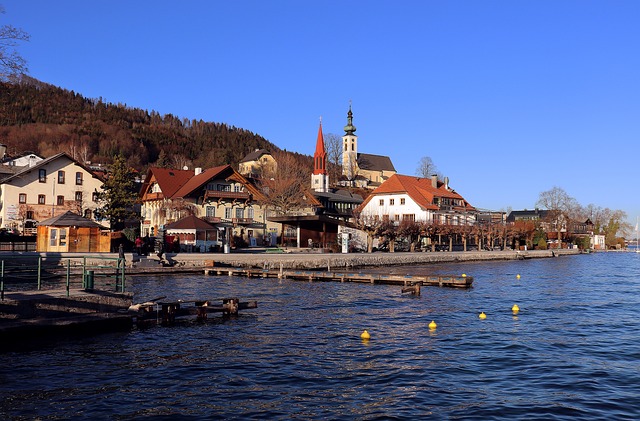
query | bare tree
[285, 190]
[333, 144]
[11, 63]
[369, 224]
[559, 205]
[426, 168]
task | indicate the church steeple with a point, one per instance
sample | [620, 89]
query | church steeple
[350, 129]
[350, 149]
[320, 176]
[320, 156]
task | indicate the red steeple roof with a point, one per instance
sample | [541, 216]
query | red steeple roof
[320, 156]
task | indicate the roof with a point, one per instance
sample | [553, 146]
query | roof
[190, 222]
[70, 219]
[343, 196]
[371, 162]
[255, 155]
[195, 182]
[527, 215]
[46, 161]
[420, 190]
[168, 179]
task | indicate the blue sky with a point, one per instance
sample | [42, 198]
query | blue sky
[508, 98]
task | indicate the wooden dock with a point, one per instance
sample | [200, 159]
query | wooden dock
[453, 281]
[166, 312]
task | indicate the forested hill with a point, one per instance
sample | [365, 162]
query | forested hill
[38, 117]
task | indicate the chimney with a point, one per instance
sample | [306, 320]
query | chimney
[434, 181]
[198, 170]
[446, 183]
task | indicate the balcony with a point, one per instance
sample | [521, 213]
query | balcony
[212, 219]
[153, 196]
[242, 221]
[215, 194]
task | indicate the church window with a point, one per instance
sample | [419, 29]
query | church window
[353, 147]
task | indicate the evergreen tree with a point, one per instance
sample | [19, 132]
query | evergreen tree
[118, 195]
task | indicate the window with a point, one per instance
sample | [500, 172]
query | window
[41, 199]
[78, 196]
[63, 236]
[396, 217]
[53, 237]
[228, 212]
[402, 201]
[392, 202]
[210, 211]
[237, 188]
[42, 176]
[29, 214]
[224, 187]
[250, 213]
[60, 200]
[239, 213]
[94, 196]
[409, 217]
[88, 214]
[381, 202]
[60, 177]
[78, 178]
[22, 198]
[346, 147]
[353, 147]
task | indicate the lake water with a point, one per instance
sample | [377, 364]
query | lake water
[572, 352]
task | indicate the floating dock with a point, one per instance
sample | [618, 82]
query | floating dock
[453, 281]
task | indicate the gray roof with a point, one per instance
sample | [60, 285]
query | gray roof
[343, 196]
[70, 219]
[255, 155]
[371, 162]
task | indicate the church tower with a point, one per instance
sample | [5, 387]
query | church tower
[320, 177]
[349, 149]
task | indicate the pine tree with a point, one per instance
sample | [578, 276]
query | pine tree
[118, 195]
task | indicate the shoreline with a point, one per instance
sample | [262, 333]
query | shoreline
[299, 259]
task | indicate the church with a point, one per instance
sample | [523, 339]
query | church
[362, 169]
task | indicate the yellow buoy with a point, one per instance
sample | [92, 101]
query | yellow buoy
[518, 276]
[515, 308]
[365, 335]
[464, 275]
[483, 316]
[432, 325]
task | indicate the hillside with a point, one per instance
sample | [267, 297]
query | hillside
[42, 118]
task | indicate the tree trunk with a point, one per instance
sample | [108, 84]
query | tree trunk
[369, 243]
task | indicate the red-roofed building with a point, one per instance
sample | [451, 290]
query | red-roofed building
[219, 195]
[404, 197]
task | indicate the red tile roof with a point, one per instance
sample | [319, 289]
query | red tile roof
[190, 222]
[168, 179]
[420, 190]
[201, 179]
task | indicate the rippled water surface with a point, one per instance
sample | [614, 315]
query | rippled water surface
[572, 352]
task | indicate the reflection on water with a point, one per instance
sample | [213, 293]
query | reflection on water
[571, 352]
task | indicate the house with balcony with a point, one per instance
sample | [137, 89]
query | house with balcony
[220, 195]
[404, 197]
[48, 188]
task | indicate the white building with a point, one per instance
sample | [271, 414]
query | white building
[50, 187]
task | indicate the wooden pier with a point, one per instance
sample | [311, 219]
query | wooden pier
[166, 312]
[453, 281]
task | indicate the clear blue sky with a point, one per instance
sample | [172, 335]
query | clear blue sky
[508, 98]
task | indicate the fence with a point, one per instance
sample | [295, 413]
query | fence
[25, 273]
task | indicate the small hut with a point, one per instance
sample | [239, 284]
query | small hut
[194, 234]
[70, 232]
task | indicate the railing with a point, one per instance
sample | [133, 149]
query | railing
[226, 194]
[242, 220]
[24, 273]
[18, 246]
[212, 219]
[153, 196]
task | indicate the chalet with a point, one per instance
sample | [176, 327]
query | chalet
[50, 187]
[219, 195]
